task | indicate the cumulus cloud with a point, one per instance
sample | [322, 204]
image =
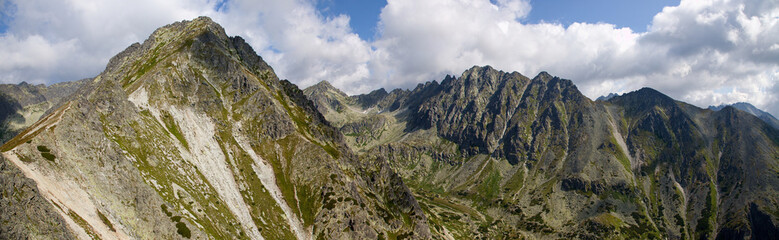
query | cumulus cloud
[716, 51]
[53, 41]
[702, 51]
[299, 43]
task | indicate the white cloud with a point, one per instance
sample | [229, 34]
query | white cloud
[52, 41]
[702, 51]
[422, 41]
[39, 54]
[690, 51]
[723, 45]
[299, 43]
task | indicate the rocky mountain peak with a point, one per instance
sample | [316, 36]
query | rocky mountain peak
[607, 97]
[479, 78]
[326, 98]
[201, 41]
[643, 100]
[323, 84]
[479, 70]
[200, 128]
[325, 87]
[648, 93]
[177, 32]
[372, 98]
[543, 76]
[183, 31]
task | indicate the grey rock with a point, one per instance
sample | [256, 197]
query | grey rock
[24, 213]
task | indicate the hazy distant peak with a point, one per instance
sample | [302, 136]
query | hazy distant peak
[607, 97]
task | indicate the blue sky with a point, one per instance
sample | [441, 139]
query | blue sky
[705, 52]
[636, 15]
[6, 11]
[364, 14]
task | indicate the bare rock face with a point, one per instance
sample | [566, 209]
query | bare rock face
[24, 213]
[191, 135]
[492, 154]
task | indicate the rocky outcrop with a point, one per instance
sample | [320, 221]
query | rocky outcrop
[24, 213]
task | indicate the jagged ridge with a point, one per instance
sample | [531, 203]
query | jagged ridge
[535, 158]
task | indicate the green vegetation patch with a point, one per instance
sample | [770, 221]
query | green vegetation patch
[679, 220]
[608, 220]
[42, 148]
[643, 228]
[48, 156]
[183, 230]
[515, 183]
[165, 210]
[83, 224]
[24, 158]
[105, 220]
[709, 214]
[308, 200]
[143, 67]
[46, 153]
[173, 128]
[614, 149]
[490, 187]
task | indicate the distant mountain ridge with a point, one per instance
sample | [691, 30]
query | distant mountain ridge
[23, 104]
[494, 154]
[751, 109]
[607, 97]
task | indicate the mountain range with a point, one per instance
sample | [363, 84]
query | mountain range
[192, 135]
[497, 154]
